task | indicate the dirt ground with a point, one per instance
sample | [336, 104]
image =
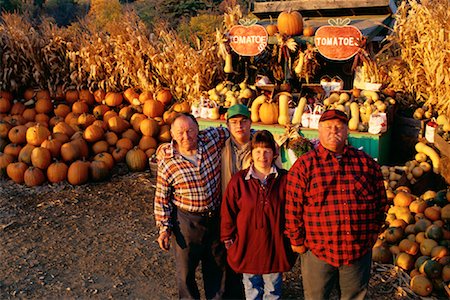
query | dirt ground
[98, 241]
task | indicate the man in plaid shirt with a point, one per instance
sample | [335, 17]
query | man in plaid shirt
[187, 204]
[335, 207]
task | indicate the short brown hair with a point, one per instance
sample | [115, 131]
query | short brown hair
[264, 138]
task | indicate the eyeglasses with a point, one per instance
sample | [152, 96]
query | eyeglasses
[238, 122]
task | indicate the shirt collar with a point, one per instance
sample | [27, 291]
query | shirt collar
[251, 172]
[325, 153]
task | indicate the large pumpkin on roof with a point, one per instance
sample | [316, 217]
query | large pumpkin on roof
[290, 23]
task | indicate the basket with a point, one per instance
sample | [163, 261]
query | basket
[153, 169]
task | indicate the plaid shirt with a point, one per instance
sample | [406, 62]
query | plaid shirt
[335, 207]
[189, 187]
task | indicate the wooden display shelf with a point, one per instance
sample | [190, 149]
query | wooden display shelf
[376, 145]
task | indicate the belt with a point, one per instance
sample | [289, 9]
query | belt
[208, 214]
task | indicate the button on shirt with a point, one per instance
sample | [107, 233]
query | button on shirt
[193, 188]
[335, 207]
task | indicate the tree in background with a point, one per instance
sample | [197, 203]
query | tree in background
[103, 12]
[64, 12]
[202, 26]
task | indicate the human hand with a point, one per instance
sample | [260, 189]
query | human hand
[299, 249]
[164, 240]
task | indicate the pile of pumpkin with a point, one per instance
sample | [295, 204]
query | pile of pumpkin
[79, 136]
[417, 239]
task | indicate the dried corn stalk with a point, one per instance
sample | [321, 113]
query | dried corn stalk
[422, 33]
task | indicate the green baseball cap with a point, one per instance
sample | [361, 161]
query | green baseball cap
[238, 110]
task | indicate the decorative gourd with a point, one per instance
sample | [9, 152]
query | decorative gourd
[370, 94]
[297, 118]
[37, 134]
[268, 113]
[353, 123]
[136, 160]
[41, 158]
[257, 102]
[153, 108]
[228, 68]
[431, 153]
[283, 101]
[98, 170]
[33, 177]
[290, 23]
[57, 172]
[78, 172]
[16, 171]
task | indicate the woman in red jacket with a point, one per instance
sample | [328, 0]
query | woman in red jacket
[252, 222]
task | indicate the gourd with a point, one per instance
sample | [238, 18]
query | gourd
[255, 107]
[228, 68]
[354, 121]
[297, 118]
[283, 102]
[370, 94]
[432, 154]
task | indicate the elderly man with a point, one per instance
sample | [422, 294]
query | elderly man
[187, 204]
[334, 211]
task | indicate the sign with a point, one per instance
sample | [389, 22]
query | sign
[248, 40]
[338, 42]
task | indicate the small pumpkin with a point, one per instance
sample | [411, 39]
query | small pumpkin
[100, 146]
[153, 108]
[5, 160]
[41, 158]
[80, 107]
[117, 124]
[86, 96]
[147, 142]
[78, 172]
[113, 99]
[136, 160]
[101, 124]
[144, 96]
[108, 115]
[268, 113]
[37, 134]
[44, 106]
[100, 110]
[93, 133]
[5, 127]
[42, 119]
[53, 145]
[119, 154]
[132, 135]
[126, 112]
[125, 143]
[57, 172]
[16, 171]
[99, 95]
[17, 134]
[70, 151]
[111, 138]
[290, 23]
[72, 96]
[29, 114]
[131, 96]
[13, 149]
[72, 119]
[63, 138]
[33, 177]
[98, 170]
[105, 157]
[164, 135]
[136, 120]
[29, 94]
[149, 127]
[25, 154]
[164, 96]
[63, 127]
[5, 104]
[272, 29]
[17, 108]
[86, 119]
[43, 95]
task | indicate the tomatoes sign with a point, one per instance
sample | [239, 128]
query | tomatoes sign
[338, 42]
[248, 40]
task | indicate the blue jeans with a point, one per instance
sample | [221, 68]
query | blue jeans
[265, 286]
[319, 278]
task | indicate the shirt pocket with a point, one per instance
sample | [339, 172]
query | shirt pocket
[364, 191]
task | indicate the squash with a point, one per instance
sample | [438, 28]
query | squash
[257, 102]
[268, 113]
[297, 118]
[228, 68]
[370, 94]
[283, 102]
[354, 120]
[431, 153]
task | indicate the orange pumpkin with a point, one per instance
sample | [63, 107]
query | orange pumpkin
[15, 120]
[111, 138]
[5, 160]
[272, 29]
[53, 145]
[57, 172]
[70, 152]
[117, 124]
[268, 113]
[43, 106]
[147, 142]
[119, 154]
[5, 104]
[86, 96]
[72, 119]
[63, 138]
[126, 112]
[153, 108]
[37, 134]
[41, 158]
[25, 154]
[17, 134]
[72, 96]
[13, 150]
[164, 96]
[42, 119]
[100, 146]
[80, 107]
[105, 157]
[113, 99]
[17, 108]
[43, 95]
[99, 95]
[16, 171]
[82, 146]
[100, 110]
[98, 170]
[5, 127]
[136, 120]
[290, 23]
[144, 96]
[93, 133]
[149, 127]
[62, 110]
[164, 135]
[108, 115]
[101, 124]
[29, 114]
[131, 96]
[63, 127]
[136, 160]
[29, 94]
[78, 172]
[132, 135]
[33, 177]
[309, 31]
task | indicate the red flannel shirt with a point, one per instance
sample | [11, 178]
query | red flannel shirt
[189, 187]
[335, 207]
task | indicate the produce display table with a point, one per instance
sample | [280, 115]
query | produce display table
[376, 145]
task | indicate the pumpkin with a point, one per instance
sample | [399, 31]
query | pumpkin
[101, 124]
[98, 170]
[25, 154]
[5, 104]
[93, 133]
[153, 108]
[164, 96]
[119, 154]
[100, 146]
[113, 99]
[5, 127]
[111, 138]
[136, 120]
[290, 23]
[29, 94]
[131, 96]
[308, 31]
[53, 145]
[64, 128]
[100, 110]
[70, 151]
[43, 95]
[16, 171]
[17, 108]
[164, 134]
[147, 142]
[17, 134]
[86, 96]
[41, 158]
[85, 119]
[63, 138]
[99, 95]
[149, 152]
[43, 106]
[80, 107]
[125, 143]
[381, 255]
[105, 157]
[182, 107]
[42, 119]
[15, 120]
[136, 160]
[5, 160]
[37, 134]
[72, 119]
[126, 112]
[82, 146]
[403, 199]
[13, 150]
[72, 96]
[33, 177]
[268, 112]
[144, 96]
[3, 143]
[78, 172]
[169, 116]
[108, 115]
[272, 29]
[149, 127]
[57, 172]
[117, 124]
[132, 135]
[29, 114]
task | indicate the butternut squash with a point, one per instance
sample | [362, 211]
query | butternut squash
[431, 153]
[354, 112]
[297, 118]
[283, 111]
[370, 94]
[228, 68]
[254, 110]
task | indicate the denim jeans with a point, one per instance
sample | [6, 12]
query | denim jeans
[319, 278]
[265, 286]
